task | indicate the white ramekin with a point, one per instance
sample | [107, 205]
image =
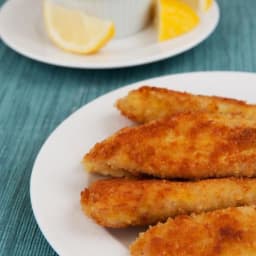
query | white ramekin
[129, 16]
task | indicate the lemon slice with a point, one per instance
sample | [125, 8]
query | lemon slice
[206, 4]
[74, 31]
[175, 18]
[200, 5]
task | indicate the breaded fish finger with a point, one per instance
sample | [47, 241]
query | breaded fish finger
[129, 202]
[228, 232]
[190, 146]
[150, 103]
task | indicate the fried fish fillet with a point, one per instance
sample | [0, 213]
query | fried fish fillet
[129, 202]
[228, 232]
[150, 103]
[190, 146]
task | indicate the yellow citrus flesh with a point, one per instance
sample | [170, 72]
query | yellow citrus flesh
[175, 18]
[199, 5]
[207, 4]
[74, 31]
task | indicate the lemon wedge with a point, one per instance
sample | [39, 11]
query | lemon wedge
[200, 5]
[175, 18]
[206, 4]
[74, 31]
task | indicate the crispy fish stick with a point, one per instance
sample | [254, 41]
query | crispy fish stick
[190, 146]
[228, 232]
[150, 103]
[128, 202]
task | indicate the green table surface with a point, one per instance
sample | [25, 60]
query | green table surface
[35, 98]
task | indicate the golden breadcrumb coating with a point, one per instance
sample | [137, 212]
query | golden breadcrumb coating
[150, 103]
[129, 202]
[190, 145]
[228, 232]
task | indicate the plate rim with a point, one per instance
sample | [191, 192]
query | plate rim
[116, 64]
[78, 111]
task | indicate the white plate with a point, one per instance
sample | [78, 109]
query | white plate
[21, 28]
[58, 176]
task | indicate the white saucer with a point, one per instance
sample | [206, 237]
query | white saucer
[58, 176]
[21, 28]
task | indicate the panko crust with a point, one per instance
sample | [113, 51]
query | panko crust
[131, 202]
[228, 232]
[189, 146]
[150, 103]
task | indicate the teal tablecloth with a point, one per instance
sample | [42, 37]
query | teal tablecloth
[35, 98]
